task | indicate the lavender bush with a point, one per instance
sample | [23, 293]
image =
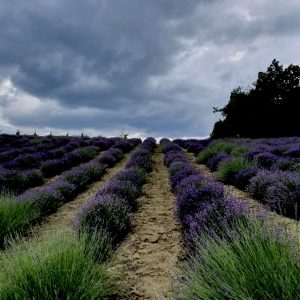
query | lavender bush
[214, 162]
[109, 210]
[278, 189]
[104, 213]
[201, 202]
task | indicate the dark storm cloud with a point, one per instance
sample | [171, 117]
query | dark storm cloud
[85, 52]
[154, 66]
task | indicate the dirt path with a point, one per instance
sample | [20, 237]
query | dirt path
[146, 261]
[62, 219]
[256, 207]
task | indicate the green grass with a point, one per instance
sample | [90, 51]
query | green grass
[254, 262]
[15, 217]
[55, 266]
[229, 168]
[220, 146]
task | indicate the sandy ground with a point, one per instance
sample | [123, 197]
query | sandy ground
[146, 261]
[62, 219]
[255, 206]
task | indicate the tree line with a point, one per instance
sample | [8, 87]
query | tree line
[271, 108]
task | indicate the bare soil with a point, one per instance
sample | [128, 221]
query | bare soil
[62, 219]
[255, 206]
[146, 261]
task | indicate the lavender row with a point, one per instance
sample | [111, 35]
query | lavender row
[33, 159]
[8, 141]
[273, 154]
[192, 145]
[54, 167]
[17, 181]
[273, 179]
[109, 211]
[35, 145]
[48, 198]
[202, 204]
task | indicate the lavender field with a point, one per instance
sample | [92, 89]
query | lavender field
[122, 218]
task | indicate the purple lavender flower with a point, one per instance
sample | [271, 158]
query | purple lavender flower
[47, 199]
[265, 159]
[216, 159]
[124, 190]
[243, 176]
[111, 156]
[135, 176]
[174, 155]
[65, 188]
[105, 212]
[214, 218]
[182, 173]
[190, 199]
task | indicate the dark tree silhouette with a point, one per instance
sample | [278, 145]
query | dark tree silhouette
[271, 108]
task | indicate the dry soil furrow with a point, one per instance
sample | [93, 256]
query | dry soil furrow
[62, 219]
[254, 206]
[146, 261]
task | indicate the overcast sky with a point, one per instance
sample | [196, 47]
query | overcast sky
[147, 67]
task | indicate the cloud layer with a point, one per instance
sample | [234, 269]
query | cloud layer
[144, 67]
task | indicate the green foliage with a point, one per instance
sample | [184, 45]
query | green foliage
[269, 109]
[88, 154]
[228, 169]
[251, 262]
[15, 216]
[35, 142]
[54, 266]
[220, 146]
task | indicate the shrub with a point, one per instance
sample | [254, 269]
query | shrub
[278, 189]
[182, 173]
[79, 176]
[52, 167]
[59, 266]
[174, 155]
[214, 162]
[242, 177]
[104, 213]
[167, 146]
[228, 169]
[265, 159]
[253, 262]
[225, 147]
[65, 188]
[16, 181]
[213, 218]
[197, 191]
[136, 176]
[284, 197]
[124, 190]
[88, 153]
[15, 217]
[111, 156]
[140, 160]
[46, 199]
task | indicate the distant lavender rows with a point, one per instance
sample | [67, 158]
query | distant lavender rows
[30, 170]
[270, 170]
[109, 211]
[14, 148]
[47, 199]
[202, 204]
[10, 142]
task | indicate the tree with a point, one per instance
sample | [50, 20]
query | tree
[269, 109]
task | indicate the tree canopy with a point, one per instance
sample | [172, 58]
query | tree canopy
[269, 109]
